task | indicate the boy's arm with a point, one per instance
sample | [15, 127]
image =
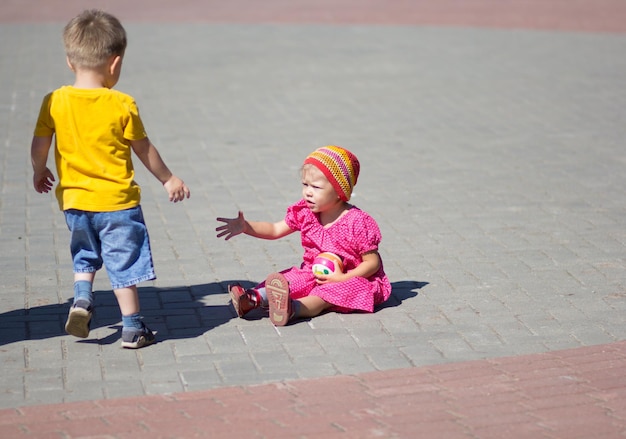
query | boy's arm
[151, 159]
[42, 176]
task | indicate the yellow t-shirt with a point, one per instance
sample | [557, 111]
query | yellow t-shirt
[93, 129]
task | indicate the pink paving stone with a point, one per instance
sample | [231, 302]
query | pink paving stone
[9, 416]
[72, 429]
[472, 395]
[606, 361]
[42, 414]
[10, 431]
[493, 412]
[582, 355]
[524, 430]
[478, 399]
[397, 379]
[566, 415]
[209, 427]
[440, 429]
[323, 406]
[541, 362]
[580, 15]
[254, 412]
[608, 382]
[606, 366]
[494, 415]
[407, 388]
[402, 398]
[610, 395]
[438, 411]
[350, 383]
[347, 422]
[532, 404]
[270, 429]
[467, 368]
[551, 373]
[540, 380]
[218, 395]
[460, 379]
[447, 428]
[436, 407]
[548, 391]
[188, 410]
[581, 427]
[484, 382]
[85, 413]
[396, 374]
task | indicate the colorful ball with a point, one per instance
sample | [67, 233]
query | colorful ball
[327, 263]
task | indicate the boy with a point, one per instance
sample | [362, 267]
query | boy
[95, 129]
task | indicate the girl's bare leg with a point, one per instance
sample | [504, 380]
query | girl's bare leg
[311, 306]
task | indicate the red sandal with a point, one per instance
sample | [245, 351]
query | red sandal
[241, 300]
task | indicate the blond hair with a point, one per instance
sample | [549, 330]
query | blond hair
[92, 37]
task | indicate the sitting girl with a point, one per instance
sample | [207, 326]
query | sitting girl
[327, 223]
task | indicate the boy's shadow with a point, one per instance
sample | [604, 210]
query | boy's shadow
[173, 312]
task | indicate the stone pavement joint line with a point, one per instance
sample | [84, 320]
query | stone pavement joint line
[576, 393]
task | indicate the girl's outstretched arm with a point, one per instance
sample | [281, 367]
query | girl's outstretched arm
[258, 229]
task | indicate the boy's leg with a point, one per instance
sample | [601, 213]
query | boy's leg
[128, 300]
[128, 260]
[85, 249]
[134, 333]
[83, 288]
[80, 314]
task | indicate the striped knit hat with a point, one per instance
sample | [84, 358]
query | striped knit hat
[340, 167]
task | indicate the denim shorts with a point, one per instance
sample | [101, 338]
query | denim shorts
[118, 239]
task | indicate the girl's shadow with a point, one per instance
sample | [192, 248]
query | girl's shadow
[401, 291]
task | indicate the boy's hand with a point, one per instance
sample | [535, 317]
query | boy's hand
[176, 189]
[43, 181]
[233, 226]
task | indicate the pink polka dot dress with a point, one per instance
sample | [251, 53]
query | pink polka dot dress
[352, 235]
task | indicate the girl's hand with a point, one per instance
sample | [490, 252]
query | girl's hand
[233, 226]
[321, 279]
[368, 266]
[43, 181]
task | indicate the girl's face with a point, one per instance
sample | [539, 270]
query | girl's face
[317, 191]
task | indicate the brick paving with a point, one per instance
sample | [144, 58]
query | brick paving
[576, 393]
[584, 15]
[490, 135]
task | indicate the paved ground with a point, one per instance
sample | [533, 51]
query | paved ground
[491, 143]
